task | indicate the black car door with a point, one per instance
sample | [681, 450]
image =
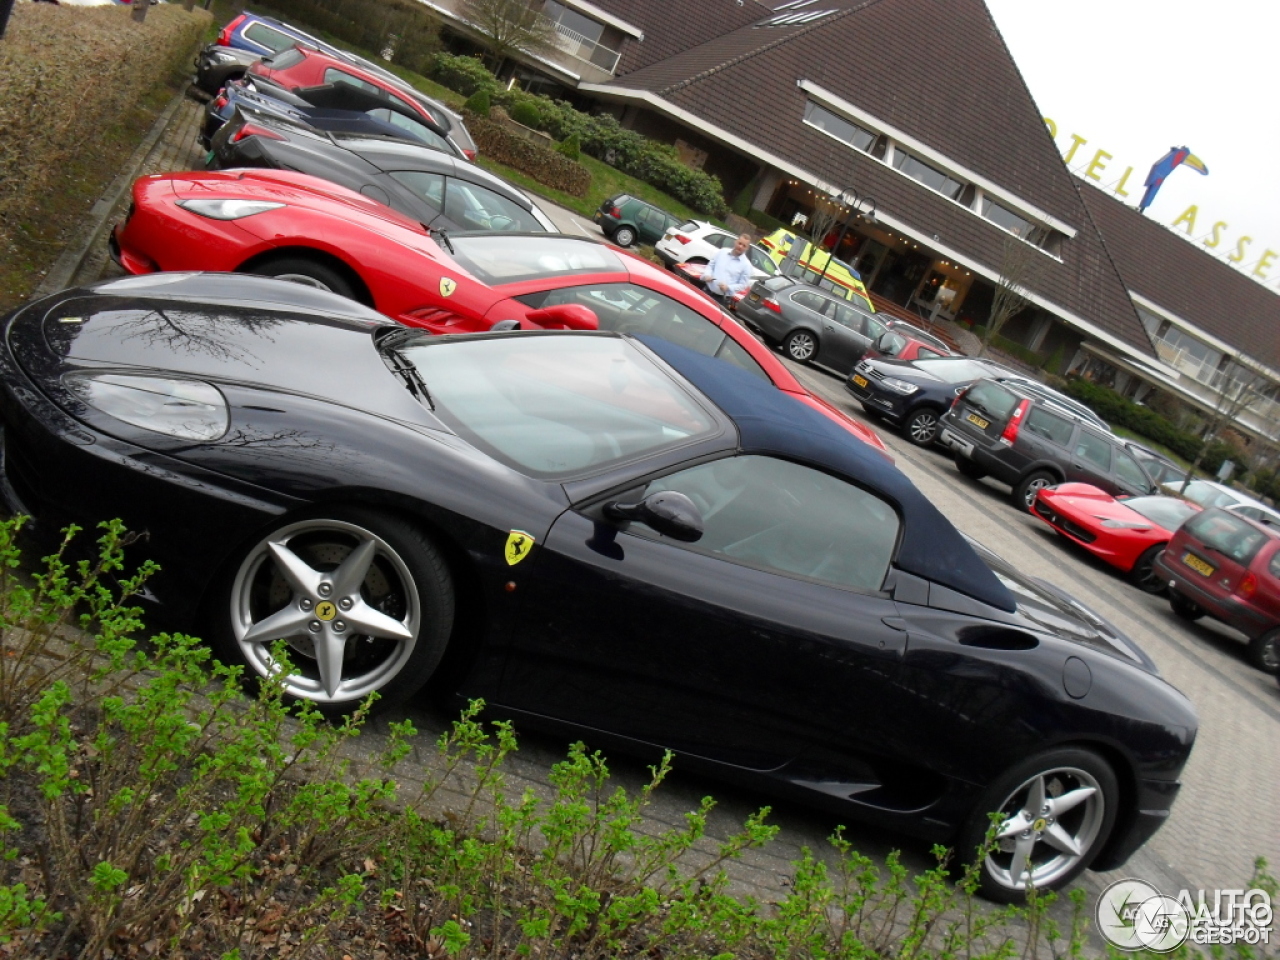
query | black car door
[765, 641]
[1091, 460]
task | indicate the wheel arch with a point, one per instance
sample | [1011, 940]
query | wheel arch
[329, 260]
[1042, 466]
[1126, 774]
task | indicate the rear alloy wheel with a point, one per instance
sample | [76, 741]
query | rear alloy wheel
[1186, 609]
[1056, 811]
[624, 236]
[309, 273]
[363, 603]
[801, 346]
[968, 468]
[1264, 651]
[1024, 494]
[1143, 575]
[921, 427]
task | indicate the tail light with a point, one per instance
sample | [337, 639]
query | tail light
[253, 130]
[1248, 585]
[960, 394]
[772, 304]
[615, 212]
[224, 37]
[682, 239]
[219, 102]
[469, 154]
[1010, 432]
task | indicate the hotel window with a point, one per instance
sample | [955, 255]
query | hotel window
[838, 127]
[1019, 226]
[931, 177]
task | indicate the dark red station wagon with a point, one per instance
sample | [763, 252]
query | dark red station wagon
[1228, 567]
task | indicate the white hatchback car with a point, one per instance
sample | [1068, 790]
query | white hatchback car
[1210, 494]
[696, 241]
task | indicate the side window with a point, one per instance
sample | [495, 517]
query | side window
[341, 76]
[761, 261]
[924, 353]
[419, 131]
[1274, 566]
[872, 327]
[428, 186]
[272, 39]
[477, 208]
[720, 240]
[1050, 426]
[810, 301]
[1095, 449]
[631, 309]
[1127, 469]
[788, 519]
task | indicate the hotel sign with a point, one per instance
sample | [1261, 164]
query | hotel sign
[1238, 249]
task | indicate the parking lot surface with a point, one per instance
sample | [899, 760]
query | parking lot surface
[1226, 814]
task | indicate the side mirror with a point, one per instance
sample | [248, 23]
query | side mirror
[885, 342]
[670, 513]
[564, 316]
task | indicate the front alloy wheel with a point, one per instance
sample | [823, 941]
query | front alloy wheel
[921, 427]
[801, 345]
[364, 604]
[1057, 811]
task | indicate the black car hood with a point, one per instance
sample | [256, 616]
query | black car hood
[224, 328]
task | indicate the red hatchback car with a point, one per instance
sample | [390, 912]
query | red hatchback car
[1127, 533]
[1227, 566]
[289, 225]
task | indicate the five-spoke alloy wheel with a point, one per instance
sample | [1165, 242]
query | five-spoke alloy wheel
[363, 602]
[1056, 811]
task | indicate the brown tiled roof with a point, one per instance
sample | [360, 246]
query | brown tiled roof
[671, 26]
[1186, 281]
[937, 72]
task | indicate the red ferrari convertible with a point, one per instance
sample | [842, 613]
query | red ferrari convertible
[296, 227]
[1127, 533]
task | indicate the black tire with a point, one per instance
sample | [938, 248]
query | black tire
[1025, 490]
[1186, 609]
[921, 426]
[1264, 651]
[1078, 795]
[801, 346]
[310, 273]
[968, 468]
[624, 236]
[1143, 575]
[386, 629]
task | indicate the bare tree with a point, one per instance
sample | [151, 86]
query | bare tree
[826, 212]
[509, 27]
[1021, 267]
[1237, 393]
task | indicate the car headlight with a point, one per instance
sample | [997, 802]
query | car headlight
[899, 386]
[221, 57]
[1125, 524]
[228, 209]
[186, 409]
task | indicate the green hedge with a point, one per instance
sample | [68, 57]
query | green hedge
[542, 163]
[405, 29]
[600, 136]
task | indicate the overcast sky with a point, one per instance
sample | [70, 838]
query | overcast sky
[1135, 77]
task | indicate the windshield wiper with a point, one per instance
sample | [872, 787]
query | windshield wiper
[443, 238]
[388, 345]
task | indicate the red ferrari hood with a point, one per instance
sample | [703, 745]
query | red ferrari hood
[1082, 499]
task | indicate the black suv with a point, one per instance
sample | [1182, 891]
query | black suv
[1031, 437]
[626, 219]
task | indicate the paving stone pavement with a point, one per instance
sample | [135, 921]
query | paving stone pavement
[1226, 815]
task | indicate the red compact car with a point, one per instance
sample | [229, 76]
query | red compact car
[290, 225]
[1228, 566]
[1127, 533]
[304, 66]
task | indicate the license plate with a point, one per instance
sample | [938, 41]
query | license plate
[978, 422]
[860, 381]
[1198, 565]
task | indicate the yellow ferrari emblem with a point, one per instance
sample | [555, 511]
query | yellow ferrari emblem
[326, 610]
[519, 544]
[1039, 825]
[447, 286]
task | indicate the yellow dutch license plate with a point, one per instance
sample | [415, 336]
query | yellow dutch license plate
[978, 422]
[860, 381]
[1198, 565]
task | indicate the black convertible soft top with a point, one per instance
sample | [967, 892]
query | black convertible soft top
[770, 422]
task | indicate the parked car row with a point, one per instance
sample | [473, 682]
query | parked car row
[539, 470]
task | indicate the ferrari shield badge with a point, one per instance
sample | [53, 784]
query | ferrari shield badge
[519, 544]
[447, 286]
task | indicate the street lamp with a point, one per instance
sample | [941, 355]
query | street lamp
[858, 207]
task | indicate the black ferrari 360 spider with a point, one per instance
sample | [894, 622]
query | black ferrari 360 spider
[603, 533]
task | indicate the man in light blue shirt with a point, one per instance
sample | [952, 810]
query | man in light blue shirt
[729, 271]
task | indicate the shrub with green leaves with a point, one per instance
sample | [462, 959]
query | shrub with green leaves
[478, 103]
[571, 147]
[526, 114]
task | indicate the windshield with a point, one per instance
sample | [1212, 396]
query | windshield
[1168, 512]
[1206, 494]
[952, 369]
[557, 404]
[497, 260]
